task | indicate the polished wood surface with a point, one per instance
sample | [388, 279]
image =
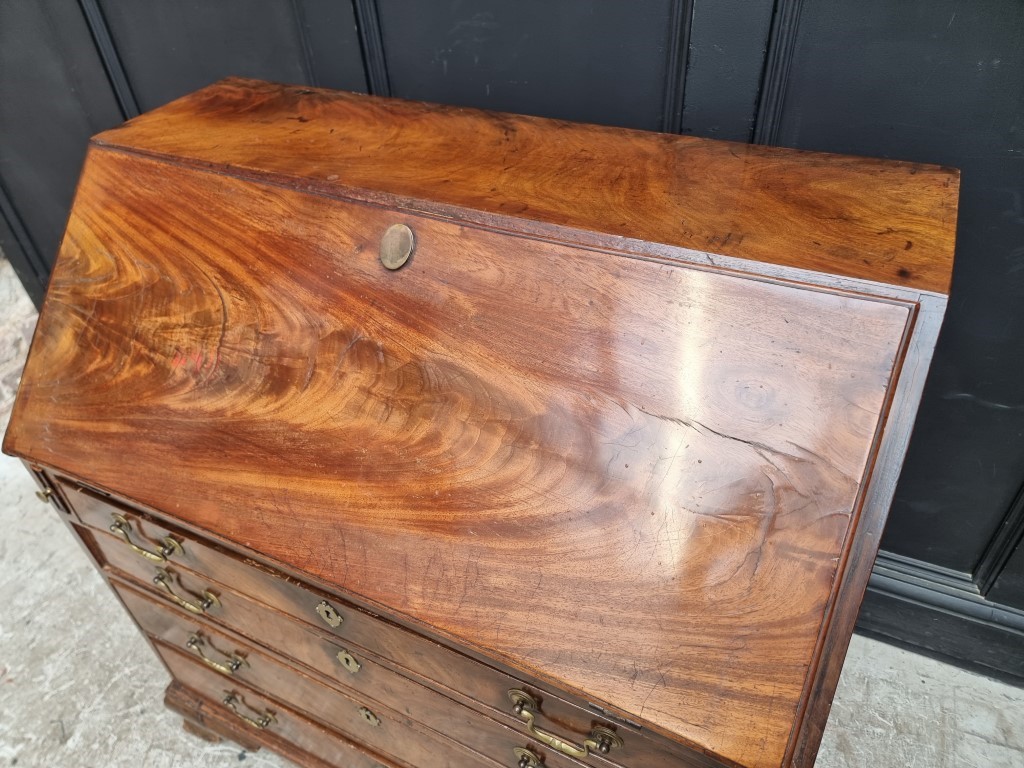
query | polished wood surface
[452, 674]
[393, 734]
[871, 219]
[628, 474]
[374, 686]
[305, 743]
[271, 611]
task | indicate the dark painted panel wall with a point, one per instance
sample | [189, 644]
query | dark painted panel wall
[170, 49]
[601, 61]
[728, 39]
[940, 82]
[54, 95]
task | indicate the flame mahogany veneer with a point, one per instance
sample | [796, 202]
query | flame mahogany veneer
[624, 429]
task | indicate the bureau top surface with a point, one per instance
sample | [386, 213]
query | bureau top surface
[632, 477]
[880, 220]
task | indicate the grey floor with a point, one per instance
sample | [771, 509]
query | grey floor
[79, 687]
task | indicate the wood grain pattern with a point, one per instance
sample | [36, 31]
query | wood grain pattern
[586, 465]
[305, 743]
[373, 685]
[440, 668]
[877, 220]
[394, 735]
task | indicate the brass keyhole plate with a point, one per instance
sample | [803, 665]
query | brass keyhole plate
[369, 717]
[328, 613]
[348, 661]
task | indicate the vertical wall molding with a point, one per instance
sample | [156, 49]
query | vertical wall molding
[23, 240]
[372, 42]
[681, 21]
[778, 62]
[1001, 547]
[109, 56]
[307, 51]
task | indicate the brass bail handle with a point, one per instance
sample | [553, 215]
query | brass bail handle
[234, 661]
[231, 701]
[208, 600]
[123, 528]
[602, 740]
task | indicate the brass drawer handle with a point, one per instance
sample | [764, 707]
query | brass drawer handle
[45, 495]
[163, 579]
[235, 662]
[231, 701]
[602, 740]
[122, 527]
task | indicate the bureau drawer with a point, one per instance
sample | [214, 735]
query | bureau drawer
[363, 720]
[369, 680]
[303, 741]
[249, 706]
[447, 670]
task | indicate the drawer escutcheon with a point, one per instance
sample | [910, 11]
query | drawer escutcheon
[369, 717]
[348, 661]
[329, 614]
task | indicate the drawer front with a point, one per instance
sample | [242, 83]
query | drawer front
[370, 681]
[439, 665]
[362, 720]
[312, 738]
[308, 739]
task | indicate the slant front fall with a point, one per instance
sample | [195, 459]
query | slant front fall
[641, 478]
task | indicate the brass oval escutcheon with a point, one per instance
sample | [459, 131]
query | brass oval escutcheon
[348, 661]
[369, 717]
[396, 246]
[328, 613]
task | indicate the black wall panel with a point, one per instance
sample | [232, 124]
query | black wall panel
[169, 49]
[940, 82]
[332, 39]
[598, 61]
[54, 95]
[728, 40]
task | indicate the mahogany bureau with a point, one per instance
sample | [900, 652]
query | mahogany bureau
[420, 436]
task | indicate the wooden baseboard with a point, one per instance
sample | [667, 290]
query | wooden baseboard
[941, 613]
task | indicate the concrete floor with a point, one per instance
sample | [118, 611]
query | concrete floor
[80, 689]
